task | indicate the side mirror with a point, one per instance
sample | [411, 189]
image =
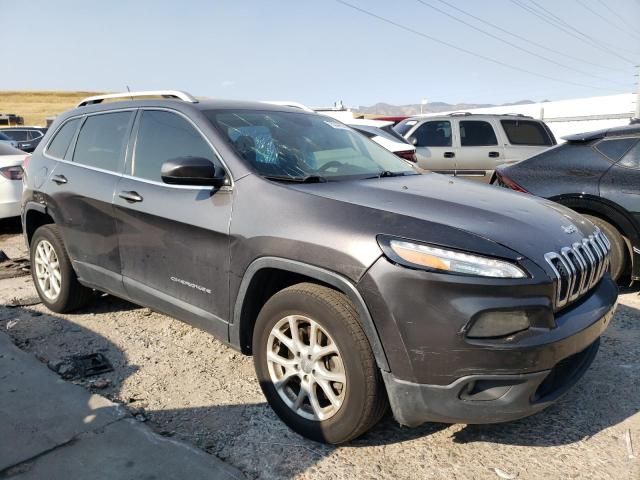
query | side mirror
[192, 171]
[413, 141]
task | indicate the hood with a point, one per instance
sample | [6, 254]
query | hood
[528, 225]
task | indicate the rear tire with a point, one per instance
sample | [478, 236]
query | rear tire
[53, 274]
[619, 254]
[288, 368]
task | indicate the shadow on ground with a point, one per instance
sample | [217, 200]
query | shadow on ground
[596, 403]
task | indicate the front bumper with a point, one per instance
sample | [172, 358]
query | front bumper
[439, 374]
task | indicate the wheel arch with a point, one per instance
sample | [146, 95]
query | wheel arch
[35, 215]
[268, 275]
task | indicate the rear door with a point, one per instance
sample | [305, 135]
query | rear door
[480, 151]
[174, 240]
[81, 188]
[435, 149]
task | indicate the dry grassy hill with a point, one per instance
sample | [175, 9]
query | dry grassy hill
[35, 107]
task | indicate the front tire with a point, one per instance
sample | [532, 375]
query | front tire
[53, 274]
[618, 256]
[315, 364]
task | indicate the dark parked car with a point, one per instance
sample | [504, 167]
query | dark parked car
[598, 175]
[354, 281]
[27, 138]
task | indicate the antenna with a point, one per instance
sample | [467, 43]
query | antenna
[129, 90]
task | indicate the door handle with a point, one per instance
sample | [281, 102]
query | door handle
[449, 154]
[494, 154]
[59, 179]
[130, 196]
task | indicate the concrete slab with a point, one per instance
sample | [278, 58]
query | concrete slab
[39, 411]
[126, 450]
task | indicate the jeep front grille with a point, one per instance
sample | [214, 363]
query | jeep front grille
[579, 267]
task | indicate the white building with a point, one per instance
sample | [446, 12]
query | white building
[578, 115]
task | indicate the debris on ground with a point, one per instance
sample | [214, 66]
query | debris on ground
[504, 475]
[11, 268]
[82, 366]
[101, 383]
[23, 302]
[627, 440]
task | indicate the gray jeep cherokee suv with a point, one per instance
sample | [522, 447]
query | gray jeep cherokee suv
[353, 281]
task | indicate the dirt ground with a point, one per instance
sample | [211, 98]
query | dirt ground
[188, 385]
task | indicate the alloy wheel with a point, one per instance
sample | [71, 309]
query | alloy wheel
[48, 270]
[306, 367]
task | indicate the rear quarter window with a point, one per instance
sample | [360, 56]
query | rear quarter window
[615, 148]
[526, 132]
[60, 144]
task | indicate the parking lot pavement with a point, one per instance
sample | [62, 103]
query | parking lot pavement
[52, 429]
[188, 386]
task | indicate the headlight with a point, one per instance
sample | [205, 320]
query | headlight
[436, 258]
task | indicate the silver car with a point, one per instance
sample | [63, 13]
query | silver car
[470, 145]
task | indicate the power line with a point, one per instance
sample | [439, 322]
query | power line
[560, 24]
[507, 42]
[464, 50]
[606, 45]
[610, 22]
[524, 39]
[617, 15]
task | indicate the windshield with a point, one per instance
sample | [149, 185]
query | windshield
[4, 136]
[304, 146]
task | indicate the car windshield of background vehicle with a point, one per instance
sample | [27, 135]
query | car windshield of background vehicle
[475, 133]
[526, 132]
[302, 146]
[405, 125]
[5, 137]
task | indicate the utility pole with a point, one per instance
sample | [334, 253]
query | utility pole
[637, 84]
[423, 102]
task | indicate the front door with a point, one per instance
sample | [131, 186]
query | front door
[479, 152]
[434, 146]
[174, 240]
[81, 188]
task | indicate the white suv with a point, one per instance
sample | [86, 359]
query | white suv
[470, 145]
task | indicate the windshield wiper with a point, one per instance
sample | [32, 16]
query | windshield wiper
[389, 173]
[305, 179]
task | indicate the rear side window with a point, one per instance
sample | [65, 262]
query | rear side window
[615, 148]
[102, 140]
[60, 144]
[475, 133]
[632, 158]
[433, 134]
[164, 136]
[18, 135]
[526, 132]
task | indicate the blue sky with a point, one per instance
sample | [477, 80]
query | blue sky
[316, 51]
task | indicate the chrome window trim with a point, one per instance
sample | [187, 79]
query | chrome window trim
[83, 116]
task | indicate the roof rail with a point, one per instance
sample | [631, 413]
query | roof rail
[516, 115]
[462, 114]
[184, 96]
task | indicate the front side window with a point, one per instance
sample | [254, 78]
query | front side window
[476, 133]
[165, 136]
[60, 144]
[433, 134]
[102, 140]
[34, 134]
[526, 132]
[299, 145]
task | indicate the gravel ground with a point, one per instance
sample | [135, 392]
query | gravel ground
[186, 384]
